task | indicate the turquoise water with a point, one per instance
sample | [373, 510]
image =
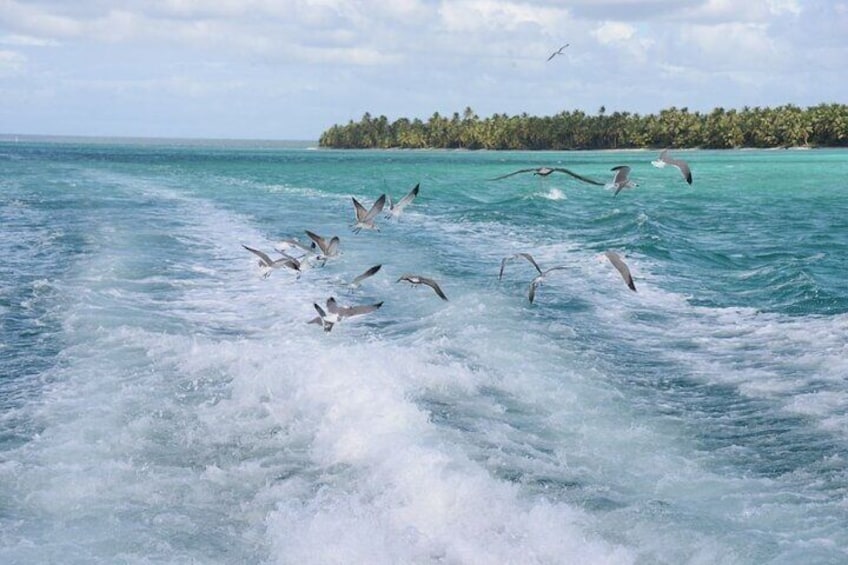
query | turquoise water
[161, 401]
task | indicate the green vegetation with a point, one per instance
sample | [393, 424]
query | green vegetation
[825, 125]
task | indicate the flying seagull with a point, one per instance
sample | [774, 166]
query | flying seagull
[365, 218]
[681, 165]
[622, 268]
[335, 313]
[269, 264]
[545, 171]
[621, 180]
[396, 208]
[557, 52]
[416, 280]
[328, 248]
[534, 284]
[369, 273]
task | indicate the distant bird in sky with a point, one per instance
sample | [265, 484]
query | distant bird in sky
[534, 284]
[621, 180]
[619, 264]
[396, 208]
[557, 52]
[681, 165]
[365, 218]
[335, 313]
[417, 280]
[545, 171]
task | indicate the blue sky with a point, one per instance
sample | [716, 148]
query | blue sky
[289, 69]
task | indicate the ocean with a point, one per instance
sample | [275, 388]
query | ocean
[162, 401]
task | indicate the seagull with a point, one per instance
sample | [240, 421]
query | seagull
[557, 52]
[416, 280]
[622, 268]
[545, 171]
[369, 273]
[269, 264]
[335, 313]
[682, 166]
[534, 284]
[621, 180]
[286, 245]
[328, 248]
[365, 218]
[518, 256]
[396, 208]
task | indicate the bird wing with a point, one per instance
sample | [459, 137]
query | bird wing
[683, 166]
[263, 256]
[578, 177]
[403, 202]
[332, 306]
[622, 268]
[435, 286]
[348, 311]
[333, 246]
[370, 272]
[530, 259]
[514, 173]
[319, 241]
[360, 210]
[376, 208]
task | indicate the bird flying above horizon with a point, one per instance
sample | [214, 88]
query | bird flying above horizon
[546, 171]
[681, 165]
[365, 217]
[557, 52]
[621, 180]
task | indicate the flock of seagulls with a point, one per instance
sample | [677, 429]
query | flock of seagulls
[621, 178]
[297, 257]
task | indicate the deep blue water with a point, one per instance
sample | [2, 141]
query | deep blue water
[162, 401]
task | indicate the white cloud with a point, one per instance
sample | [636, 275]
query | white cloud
[11, 62]
[614, 32]
[492, 15]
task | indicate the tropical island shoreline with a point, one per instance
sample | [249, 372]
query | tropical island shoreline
[782, 127]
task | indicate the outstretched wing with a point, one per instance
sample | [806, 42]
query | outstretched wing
[267, 261]
[376, 208]
[578, 177]
[360, 210]
[347, 312]
[622, 268]
[319, 241]
[403, 202]
[370, 272]
[435, 286]
[521, 255]
[514, 173]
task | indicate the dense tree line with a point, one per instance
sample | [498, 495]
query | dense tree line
[825, 125]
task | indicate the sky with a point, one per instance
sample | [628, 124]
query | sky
[290, 69]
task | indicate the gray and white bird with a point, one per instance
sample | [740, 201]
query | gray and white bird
[621, 180]
[269, 264]
[335, 313]
[681, 165]
[622, 268]
[365, 217]
[329, 248]
[419, 280]
[537, 281]
[545, 171]
[396, 208]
